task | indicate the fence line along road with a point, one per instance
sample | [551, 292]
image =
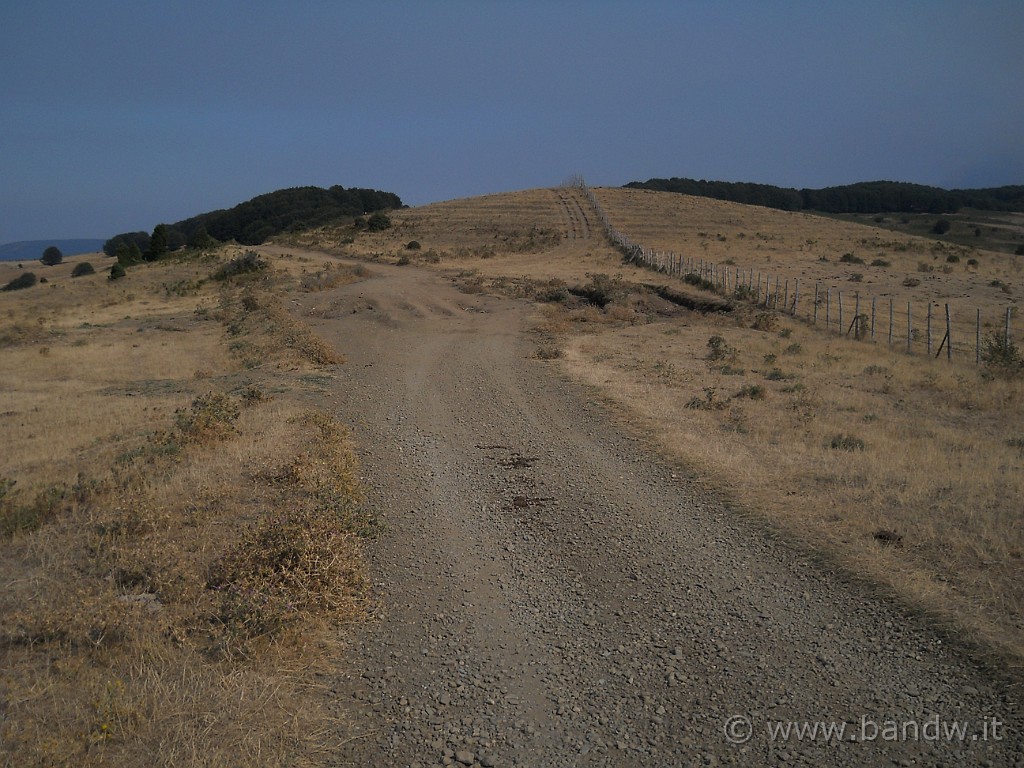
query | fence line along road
[939, 330]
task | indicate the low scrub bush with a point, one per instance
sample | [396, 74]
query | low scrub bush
[718, 349]
[1000, 355]
[850, 258]
[248, 263]
[83, 268]
[210, 418]
[22, 281]
[849, 443]
[765, 321]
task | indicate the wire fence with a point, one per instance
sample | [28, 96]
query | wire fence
[921, 327]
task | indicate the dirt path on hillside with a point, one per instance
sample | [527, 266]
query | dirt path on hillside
[551, 594]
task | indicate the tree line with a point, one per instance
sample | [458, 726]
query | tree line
[252, 222]
[863, 197]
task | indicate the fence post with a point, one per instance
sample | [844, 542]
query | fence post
[910, 331]
[1006, 333]
[796, 296]
[949, 336]
[828, 308]
[929, 331]
[839, 295]
[890, 322]
[874, 302]
[785, 296]
[977, 338]
[814, 321]
[856, 314]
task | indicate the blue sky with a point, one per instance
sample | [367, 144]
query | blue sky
[116, 116]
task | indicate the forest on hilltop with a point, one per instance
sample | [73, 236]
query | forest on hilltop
[262, 217]
[863, 197]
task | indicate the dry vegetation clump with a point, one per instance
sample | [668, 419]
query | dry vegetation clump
[158, 606]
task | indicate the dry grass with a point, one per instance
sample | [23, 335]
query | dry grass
[158, 608]
[927, 508]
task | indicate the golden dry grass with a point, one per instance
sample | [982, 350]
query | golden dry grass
[940, 471]
[157, 607]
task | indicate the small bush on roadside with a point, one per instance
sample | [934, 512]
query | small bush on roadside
[765, 321]
[881, 263]
[83, 268]
[850, 258]
[211, 418]
[117, 272]
[413, 245]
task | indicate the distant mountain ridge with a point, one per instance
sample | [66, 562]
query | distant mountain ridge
[863, 197]
[31, 250]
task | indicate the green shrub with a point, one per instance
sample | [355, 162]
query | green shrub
[719, 350]
[83, 268]
[24, 280]
[881, 263]
[117, 271]
[246, 264]
[378, 222]
[765, 321]
[953, 258]
[413, 245]
[752, 391]
[1001, 355]
[941, 226]
[850, 443]
[849, 258]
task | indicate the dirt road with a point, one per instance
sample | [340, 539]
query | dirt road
[551, 594]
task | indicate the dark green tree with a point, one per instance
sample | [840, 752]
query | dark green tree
[159, 243]
[116, 272]
[52, 256]
[83, 268]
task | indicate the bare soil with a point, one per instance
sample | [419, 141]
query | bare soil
[550, 592]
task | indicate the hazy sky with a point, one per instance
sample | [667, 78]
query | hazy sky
[116, 116]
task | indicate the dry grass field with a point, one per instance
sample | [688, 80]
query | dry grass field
[900, 470]
[182, 531]
[156, 428]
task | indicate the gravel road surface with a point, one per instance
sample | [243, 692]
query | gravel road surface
[551, 593]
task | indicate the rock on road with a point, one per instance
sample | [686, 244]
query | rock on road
[552, 594]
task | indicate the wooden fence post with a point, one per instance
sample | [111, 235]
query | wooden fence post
[910, 330]
[890, 322]
[874, 301]
[796, 296]
[839, 295]
[828, 308]
[977, 337]
[949, 336]
[929, 331]
[814, 321]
